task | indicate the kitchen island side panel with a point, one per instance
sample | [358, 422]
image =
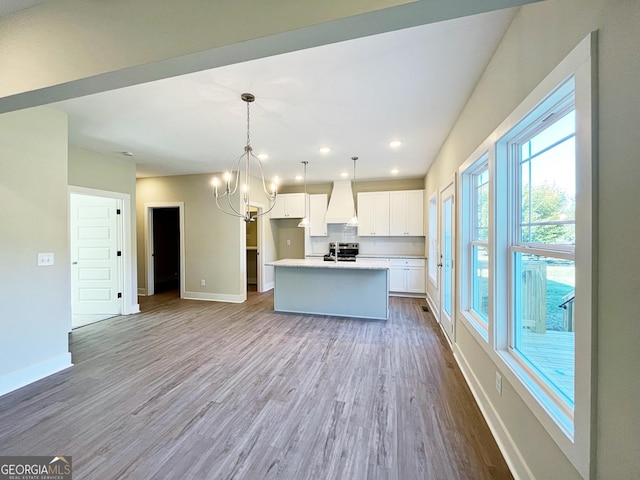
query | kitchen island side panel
[361, 293]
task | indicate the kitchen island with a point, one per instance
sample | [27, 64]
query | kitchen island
[347, 289]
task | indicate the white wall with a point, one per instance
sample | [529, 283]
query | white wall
[35, 316]
[539, 37]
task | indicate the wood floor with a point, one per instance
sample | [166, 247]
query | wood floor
[200, 390]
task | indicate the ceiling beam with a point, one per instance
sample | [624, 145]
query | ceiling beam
[68, 72]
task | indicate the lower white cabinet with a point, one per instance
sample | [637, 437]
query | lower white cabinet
[407, 275]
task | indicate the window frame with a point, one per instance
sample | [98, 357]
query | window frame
[477, 163]
[561, 100]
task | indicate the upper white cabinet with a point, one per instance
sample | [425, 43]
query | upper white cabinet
[407, 213]
[317, 213]
[373, 214]
[289, 205]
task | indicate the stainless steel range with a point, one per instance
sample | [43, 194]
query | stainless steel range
[346, 252]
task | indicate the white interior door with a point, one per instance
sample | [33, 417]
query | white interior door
[446, 260]
[95, 269]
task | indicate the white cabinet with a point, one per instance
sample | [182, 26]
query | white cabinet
[407, 213]
[317, 213]
[373, 214]
[289, 205]
[407, 275]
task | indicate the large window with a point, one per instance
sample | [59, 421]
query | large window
[543, 164]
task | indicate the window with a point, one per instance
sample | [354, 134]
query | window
[475, 238]
[543, 164]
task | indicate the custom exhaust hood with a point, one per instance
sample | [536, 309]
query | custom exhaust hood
[341, 205]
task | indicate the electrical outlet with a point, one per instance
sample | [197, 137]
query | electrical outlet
[499, 383]
[288, 242]
[202, 282]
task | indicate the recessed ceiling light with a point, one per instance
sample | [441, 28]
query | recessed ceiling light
[324, 150]
[263, 156]
[395, 171]
[298, 177]
[344, 174]
[395, 144]
[127, 154]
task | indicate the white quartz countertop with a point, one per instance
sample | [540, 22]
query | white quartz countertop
[360, 264]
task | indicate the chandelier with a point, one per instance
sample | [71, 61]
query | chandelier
[241, 167]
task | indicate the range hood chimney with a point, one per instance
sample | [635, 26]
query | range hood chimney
[341, 206]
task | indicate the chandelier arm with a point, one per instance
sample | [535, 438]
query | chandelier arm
[237, 213]
[266, 211]
[225, 211]
[270, 196]
[235, 171]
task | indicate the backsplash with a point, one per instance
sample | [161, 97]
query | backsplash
[368, 245]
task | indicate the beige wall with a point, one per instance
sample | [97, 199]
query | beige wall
[289, 238]
[102, 172]
[539, 37]
[390, 184]
[214, 242]
[35, 316]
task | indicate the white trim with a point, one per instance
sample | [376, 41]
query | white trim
[33, 373]
[268, 286]
[508, 447]
[142, 292]
[215, 297]
[148, 241]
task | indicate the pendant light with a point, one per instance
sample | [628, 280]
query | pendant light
[241, 167]
[305, 221]
[354, 220]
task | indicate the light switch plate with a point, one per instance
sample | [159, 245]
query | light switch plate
[45, 259]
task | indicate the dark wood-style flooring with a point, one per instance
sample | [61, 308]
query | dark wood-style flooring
[200, 390]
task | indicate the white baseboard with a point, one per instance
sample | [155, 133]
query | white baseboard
[25, 376]
[268, 286]
[432, 309]
[407, 294]
[507, 446]
[142, 292]
[213, 297]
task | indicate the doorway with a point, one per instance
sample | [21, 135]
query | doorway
[95, 239]
[446, 267]
[166, 249]
[164, 239]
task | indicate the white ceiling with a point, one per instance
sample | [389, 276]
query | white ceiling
[354, 97]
